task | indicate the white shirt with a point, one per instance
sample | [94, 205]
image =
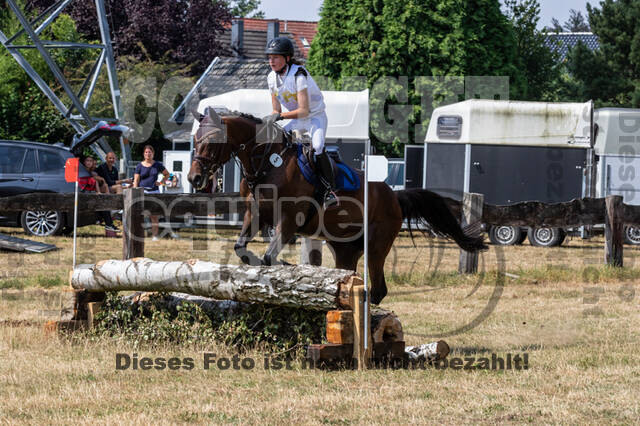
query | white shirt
[286, 89]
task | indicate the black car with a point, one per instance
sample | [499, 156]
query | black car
[27, 167]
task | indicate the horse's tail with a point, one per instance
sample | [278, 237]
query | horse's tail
[430, 209]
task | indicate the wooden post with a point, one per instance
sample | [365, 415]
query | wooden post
[471, 212]
[311, 252]
[360, 355]
[132, 231]
[92, 311]
[613, 231]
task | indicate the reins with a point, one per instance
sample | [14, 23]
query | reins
[259, 172]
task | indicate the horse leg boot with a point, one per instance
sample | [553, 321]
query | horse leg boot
[249, 230]
[285, 230]
[327, 177]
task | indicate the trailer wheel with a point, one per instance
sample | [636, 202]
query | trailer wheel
[505, 235]
[632, 235]
[546, 237]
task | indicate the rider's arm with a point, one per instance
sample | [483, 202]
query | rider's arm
[303, 106]
[275, 104]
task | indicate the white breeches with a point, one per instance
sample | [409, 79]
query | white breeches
[315, 126]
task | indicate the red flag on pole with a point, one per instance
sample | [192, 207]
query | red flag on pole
[71, 170]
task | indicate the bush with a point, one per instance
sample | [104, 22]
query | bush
[259, 326]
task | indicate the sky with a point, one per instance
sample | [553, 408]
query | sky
[308, 10]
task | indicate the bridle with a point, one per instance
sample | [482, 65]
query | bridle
[210, 167]
[207, 165]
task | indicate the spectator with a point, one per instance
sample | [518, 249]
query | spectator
[90, 164]
[146, 176]
[90, 184]
[109, 173]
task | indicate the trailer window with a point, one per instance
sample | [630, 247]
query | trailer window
[449, 127]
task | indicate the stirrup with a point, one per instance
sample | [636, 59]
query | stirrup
[331, 199]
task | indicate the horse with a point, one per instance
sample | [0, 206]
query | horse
[277, 194]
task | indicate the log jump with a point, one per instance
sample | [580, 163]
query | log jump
[337, 291]
[297, 286]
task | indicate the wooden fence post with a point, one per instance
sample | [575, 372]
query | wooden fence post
[361, 356]
[613, 230]
[132, 230]
[311, 252]
[471, 213]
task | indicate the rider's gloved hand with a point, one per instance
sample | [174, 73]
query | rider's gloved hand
[272, 118]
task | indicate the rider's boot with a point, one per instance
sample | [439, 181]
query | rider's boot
[323, 164]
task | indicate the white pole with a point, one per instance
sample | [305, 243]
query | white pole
[365, 221]
[75, 223]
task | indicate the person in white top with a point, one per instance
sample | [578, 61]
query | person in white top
[293, 88]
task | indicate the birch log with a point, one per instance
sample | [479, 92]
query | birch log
[306, 286]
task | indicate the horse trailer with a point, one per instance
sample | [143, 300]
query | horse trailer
[510, 152]
[530, 151]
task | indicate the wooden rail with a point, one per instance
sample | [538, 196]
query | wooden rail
[162, 204]
[586, 211]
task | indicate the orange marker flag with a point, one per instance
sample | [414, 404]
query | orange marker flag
[71, 169]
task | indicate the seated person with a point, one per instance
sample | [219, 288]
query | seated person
[109, 173]
[91, 184]
[89, 163]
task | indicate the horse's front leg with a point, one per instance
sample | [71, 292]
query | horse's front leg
[250, 227]
[285, 230]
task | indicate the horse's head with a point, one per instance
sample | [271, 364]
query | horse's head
[211, 149]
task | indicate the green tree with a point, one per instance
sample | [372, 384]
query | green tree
[610, 75]
[556, 26]
[382, 40]
[246, 9]
[576, 22]
[25, 112]
[536, 60]
[594, 78]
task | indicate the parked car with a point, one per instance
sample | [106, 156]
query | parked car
[27, 167]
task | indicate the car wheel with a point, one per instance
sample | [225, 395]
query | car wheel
[546, 237]
[632, 235]
[505, 235]
[42, 223]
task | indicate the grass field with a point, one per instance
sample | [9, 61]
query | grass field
[577, 320]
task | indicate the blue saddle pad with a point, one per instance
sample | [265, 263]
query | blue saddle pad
[346, 180]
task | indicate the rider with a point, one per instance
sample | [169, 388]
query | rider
[292, 86]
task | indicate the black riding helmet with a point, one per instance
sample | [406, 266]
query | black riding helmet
[280, 46]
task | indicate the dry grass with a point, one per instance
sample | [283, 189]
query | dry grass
[582, 362]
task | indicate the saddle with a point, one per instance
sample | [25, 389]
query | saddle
[346, 178]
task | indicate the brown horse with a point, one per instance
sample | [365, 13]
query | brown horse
[281, 197]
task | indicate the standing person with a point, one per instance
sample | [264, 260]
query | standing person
[146, 176]
[91, 184]
[109, 173]
[292, 86]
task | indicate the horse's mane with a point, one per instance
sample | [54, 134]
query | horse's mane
[250, 117]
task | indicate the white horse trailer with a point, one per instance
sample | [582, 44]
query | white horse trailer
[618, 150]
[348, 130]
[511, 152]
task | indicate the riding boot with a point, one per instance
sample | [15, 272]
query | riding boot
[323, 164]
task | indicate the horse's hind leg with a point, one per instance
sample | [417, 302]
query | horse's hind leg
[250, 227]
